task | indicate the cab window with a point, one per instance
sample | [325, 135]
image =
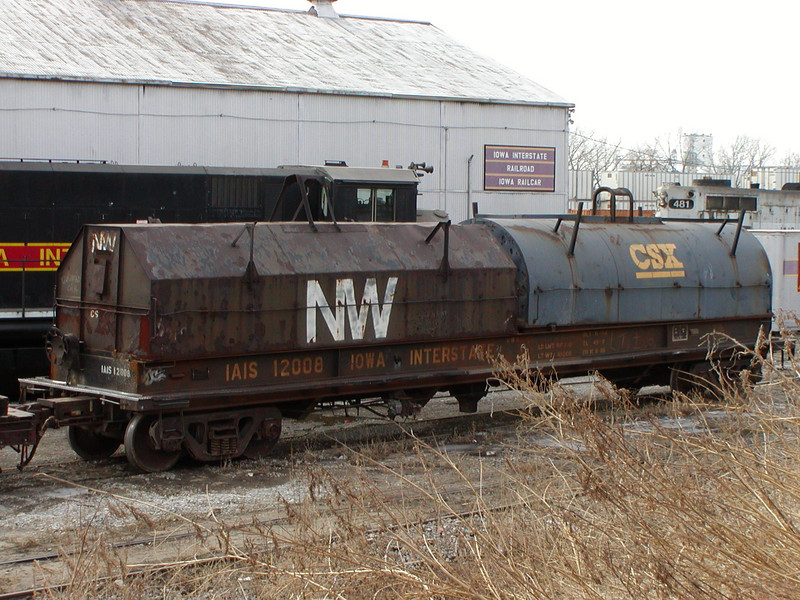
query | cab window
[375, 204]
[363, 204]
[384, 205]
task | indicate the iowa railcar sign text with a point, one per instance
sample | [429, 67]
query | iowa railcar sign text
[519, 168]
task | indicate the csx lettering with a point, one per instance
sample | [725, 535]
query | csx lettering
[240, 371]
[656, 260]
[346, 307]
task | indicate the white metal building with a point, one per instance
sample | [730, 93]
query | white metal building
[165, 82]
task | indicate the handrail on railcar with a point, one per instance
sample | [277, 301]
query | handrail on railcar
[621, 191]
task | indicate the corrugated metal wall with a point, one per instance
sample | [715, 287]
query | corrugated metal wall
[68, 121]
[467, 127]
[581, 186]
[159, 125]
[774, 178]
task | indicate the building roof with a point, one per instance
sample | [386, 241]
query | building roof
[208, 45]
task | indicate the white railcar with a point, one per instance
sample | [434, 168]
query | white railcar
[783, 251]
[716, 199]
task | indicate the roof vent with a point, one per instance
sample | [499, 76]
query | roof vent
[323, 8]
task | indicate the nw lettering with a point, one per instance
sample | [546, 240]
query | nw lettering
[346, 308]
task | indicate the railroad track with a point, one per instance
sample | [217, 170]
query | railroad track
[435, 517]
[173, 537]
[486, 488]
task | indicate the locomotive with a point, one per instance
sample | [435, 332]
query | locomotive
[44, 204]
[200, 339]
[716, 199]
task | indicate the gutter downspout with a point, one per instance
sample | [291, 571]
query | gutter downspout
[469, 184]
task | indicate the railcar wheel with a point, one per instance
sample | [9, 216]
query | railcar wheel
[265, 439]
[91, 445]
[713, 381]
[754, 375]
[683, 378]
[696, 377]
[739, 379]
[140, 448]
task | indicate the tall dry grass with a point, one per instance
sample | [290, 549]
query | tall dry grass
[695, 500]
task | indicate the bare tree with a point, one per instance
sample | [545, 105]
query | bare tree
[743, 156]
[651, 157]
[590, 153]
[791, 160]
[665, 155]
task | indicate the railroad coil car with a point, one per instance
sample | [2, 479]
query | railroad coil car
[201, 338]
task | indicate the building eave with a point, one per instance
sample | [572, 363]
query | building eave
[279, 89]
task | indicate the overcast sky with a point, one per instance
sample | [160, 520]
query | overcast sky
[635, 70]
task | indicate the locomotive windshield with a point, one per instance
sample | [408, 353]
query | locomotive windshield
[375, 204]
